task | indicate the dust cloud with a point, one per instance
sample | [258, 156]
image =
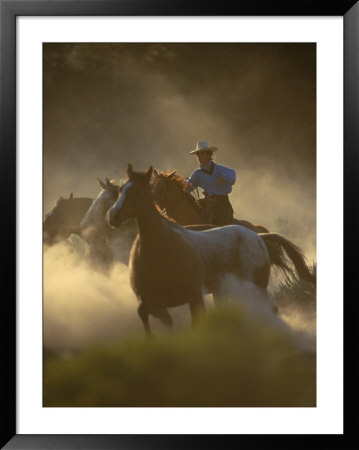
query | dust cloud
[294, 319]
[83, 305]
[109, 104]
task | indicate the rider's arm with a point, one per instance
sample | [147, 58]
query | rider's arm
[192, 183]
[228, 174]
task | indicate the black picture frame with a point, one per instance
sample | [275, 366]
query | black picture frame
[9, 10]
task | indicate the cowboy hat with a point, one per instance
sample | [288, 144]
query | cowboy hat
[203, 146]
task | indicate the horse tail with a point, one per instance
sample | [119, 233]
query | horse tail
[275, 244]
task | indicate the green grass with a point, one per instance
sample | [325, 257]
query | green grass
[232, 359]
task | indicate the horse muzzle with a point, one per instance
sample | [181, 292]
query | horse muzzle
[114, 218]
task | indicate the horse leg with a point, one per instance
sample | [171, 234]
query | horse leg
[143, 312]
[197, 308]
[219, 297]
[164, 317]
[219, 293]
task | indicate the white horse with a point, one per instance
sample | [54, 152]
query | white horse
[170, 264]
[106, 243]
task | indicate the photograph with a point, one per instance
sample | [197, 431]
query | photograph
[179, 224]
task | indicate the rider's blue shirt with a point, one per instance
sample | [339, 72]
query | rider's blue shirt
[209, 182]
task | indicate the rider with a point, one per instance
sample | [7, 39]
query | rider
[216, 181]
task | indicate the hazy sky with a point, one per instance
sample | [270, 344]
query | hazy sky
[109, 104]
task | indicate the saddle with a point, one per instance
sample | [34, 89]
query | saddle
[207, 210]
[216, 209]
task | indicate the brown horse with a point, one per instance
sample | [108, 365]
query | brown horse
[169, 190]
[64, 219]
[170, 264]
[166, 271]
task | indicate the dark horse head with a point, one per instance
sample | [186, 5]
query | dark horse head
[64, 218]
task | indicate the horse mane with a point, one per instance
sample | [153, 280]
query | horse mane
[183, 185]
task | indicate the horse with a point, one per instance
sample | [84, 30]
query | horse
[64, 219]
[170, 264]
[67, 218]
[169, 191]
[106, 243]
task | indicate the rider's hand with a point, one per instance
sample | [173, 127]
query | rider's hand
[221, 180]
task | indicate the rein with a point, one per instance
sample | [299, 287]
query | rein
[196, 196]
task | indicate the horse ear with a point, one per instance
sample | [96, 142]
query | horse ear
[148, 173]
[60, 200]
[155, 173]
[129, 170]
[108, 182]
[71, 196]
[170, 176]
[101, 183]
